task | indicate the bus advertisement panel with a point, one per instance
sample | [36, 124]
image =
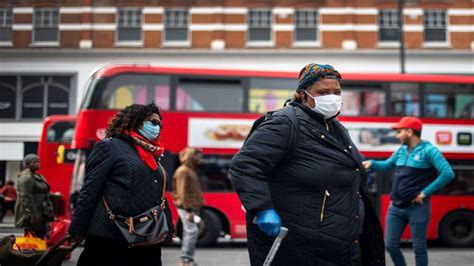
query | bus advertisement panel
[214, 110]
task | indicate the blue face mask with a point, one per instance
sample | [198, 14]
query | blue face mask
[149, 131]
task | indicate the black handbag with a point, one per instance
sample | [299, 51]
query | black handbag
[148, 228]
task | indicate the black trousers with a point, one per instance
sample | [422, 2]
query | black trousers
[102, 251]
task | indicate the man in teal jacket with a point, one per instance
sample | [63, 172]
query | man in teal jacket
[420, 170]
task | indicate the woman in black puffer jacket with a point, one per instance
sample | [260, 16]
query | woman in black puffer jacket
[125, 170]
[316, 189]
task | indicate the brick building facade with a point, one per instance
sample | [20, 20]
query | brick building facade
[233, 24]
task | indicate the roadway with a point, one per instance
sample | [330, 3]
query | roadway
[235, 253]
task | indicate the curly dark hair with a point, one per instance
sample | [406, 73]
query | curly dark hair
[131, 118]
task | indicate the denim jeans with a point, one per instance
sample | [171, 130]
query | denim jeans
[417, 216]
[190, 235]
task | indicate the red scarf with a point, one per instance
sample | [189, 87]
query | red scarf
[148, 151]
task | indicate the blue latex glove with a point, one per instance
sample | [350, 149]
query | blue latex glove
[269, 222]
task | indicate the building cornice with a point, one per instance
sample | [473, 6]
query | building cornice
[118, 52]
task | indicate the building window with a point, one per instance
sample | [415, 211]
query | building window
[5, 24]
[388, 25]
[129, 25]
[46, 25]
[34, 97]
[42, 96]
[435, 26]
[260, 25]
[176, 25]
[8, 95]
[306, 26]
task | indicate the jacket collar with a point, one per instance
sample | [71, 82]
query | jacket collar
[36, 176]
[338, 139]
[126, 138]
[317, 116]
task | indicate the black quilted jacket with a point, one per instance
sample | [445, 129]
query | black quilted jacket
[315, 189]
[114, 169]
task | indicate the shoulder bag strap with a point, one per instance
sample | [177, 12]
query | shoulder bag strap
[163, 194]
[107, 209]
[289, 112]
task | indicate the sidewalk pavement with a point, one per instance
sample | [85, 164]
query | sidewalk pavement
[7, 227]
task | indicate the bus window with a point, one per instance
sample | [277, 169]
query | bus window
[363, 99]
[61, 132]
[464, 106]
[464, 102]
[127, 89]
[448, 101]
[269, 94]
[436, 105]
[213, 173]
[404, 99]
[437, 99]
[210, 96]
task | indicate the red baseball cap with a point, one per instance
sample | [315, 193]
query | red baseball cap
[408, 122]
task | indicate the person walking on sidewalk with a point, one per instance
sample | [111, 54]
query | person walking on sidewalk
[187, 196]
[316, 186]
[10, 194]
[420, 170]
[33, 209]
[123, 169]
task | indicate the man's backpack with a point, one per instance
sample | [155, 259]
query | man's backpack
[289, 112]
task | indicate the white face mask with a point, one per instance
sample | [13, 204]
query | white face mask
[327, 105]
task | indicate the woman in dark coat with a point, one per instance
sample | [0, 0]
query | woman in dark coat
[124, 168]
[317, 189]
[33, 209]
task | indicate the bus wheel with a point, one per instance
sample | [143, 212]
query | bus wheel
[209, 228]
[457, 229]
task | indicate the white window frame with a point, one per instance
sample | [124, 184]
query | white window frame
[434, 24]
[315, 43]
[51, 25]
[185, 43]
[129, 43]
[269, 43]
[7, 22]
[388, 22]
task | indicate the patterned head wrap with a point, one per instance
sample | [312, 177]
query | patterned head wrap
[312, 73]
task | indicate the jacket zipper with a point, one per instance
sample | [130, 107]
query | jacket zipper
[326, 195]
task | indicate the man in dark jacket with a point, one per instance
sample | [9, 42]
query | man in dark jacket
[314, 189]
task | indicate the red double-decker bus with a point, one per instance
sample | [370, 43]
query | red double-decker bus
[214, 110]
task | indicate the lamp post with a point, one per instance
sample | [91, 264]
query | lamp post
[401, 35]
